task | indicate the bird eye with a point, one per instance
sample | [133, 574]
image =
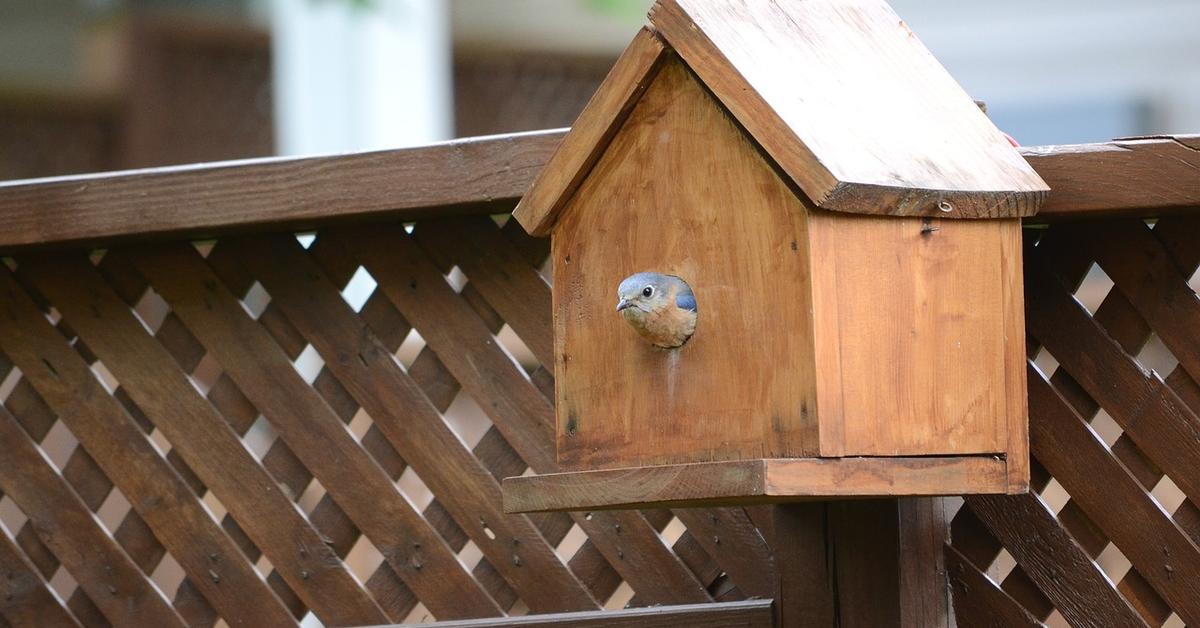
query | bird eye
[648, 291]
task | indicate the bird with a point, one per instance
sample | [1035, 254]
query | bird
[660, 308]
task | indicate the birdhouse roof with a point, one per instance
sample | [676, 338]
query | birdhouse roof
[839, 93]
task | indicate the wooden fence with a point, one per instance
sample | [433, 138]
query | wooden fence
[279, 420]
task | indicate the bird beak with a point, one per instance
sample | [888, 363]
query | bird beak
[622, 304]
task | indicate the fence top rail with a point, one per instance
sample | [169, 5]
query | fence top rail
[1143, 176]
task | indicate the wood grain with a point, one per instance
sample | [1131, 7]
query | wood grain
[754, 481]
[978, 601]
[599, 121]
[26, 600]
[742, 386]
[852, 106]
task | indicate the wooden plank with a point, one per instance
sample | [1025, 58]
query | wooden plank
[26, 600]
[202, 437]
[473, 175]
[67, 527]
[754, 481]
[851, 106]
[747, 614]
[125, 454]
[978, 601]
[591, 133]
[522, 414]
[412, 425]
[1048, 554]
[417, 554]
[804, 595]
[1156, 547]
[1129, 177]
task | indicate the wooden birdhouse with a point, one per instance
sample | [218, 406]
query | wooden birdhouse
[849, 223]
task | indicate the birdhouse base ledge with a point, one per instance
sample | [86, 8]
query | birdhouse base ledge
[758, 481]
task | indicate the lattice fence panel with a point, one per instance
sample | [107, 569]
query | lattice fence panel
[266, 427]
[1109, 535]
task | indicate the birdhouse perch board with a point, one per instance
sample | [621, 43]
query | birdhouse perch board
[787, 258]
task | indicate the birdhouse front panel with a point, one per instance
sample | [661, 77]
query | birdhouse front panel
[681, 191]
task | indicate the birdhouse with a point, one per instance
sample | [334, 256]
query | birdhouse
[849, 224]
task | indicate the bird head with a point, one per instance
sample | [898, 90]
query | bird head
[642, 293]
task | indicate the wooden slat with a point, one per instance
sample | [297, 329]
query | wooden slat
[413, 426]
[748, 614]
[64, 523]
[153, 488]
[1156, 547]
[205, 441]
[591, 133]
[978, 601]
[210, 199]
[522, 414]
[472, 175]
[26, 600]
[313, 431]
[1061, 569]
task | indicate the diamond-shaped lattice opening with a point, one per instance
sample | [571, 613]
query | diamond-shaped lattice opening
[1054, 496]
[113, 510]
[419, 615]
[1056, 620]
[469, 555]
[214, 506]
[105, 376]
[160, 442]
[360, 288]
[168, 575]
[1113, 562]
[467, 419]
[309, 364]
[411, 485]
[306, 239]
[1095, 286]
[59, 444]
[63, 583]
[260, 437]
[1045, 362]
[620, 598]
[9, 382]
[517, 348]
[364, 559]
[11, 517]
[1106, 428]
[1002, 566]
[263, 566]
[1156, 357]
[1174, 621]
[256, 300]
[360, 423]
[152, 310]
[1168, 495]
[673, 530]
[570, 544]
[410, 349]
[456, 278]
[206, 374]
[311, 496]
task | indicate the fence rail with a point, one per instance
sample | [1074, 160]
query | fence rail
[258, 426]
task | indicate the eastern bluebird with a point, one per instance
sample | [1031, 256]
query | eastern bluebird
[661, 308]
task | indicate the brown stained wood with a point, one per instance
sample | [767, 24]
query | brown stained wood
[746, 614]
[1127, 177]
[474, 175]
[64, 523]
[1151, 414]
[574, 158]
[1157, 548]
[804, 571]
[313, 431]
[953, 323]
[978, 601]
[1052, 559]
[412, 425]
[26, 600]
[851, 106]
[469, 351]
[754, 481]
[205, 441]
[155, 491]
[614, 391]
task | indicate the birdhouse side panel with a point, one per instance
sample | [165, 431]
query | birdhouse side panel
[680, 191]
[918, 318]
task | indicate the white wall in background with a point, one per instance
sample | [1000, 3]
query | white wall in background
[360, 75]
